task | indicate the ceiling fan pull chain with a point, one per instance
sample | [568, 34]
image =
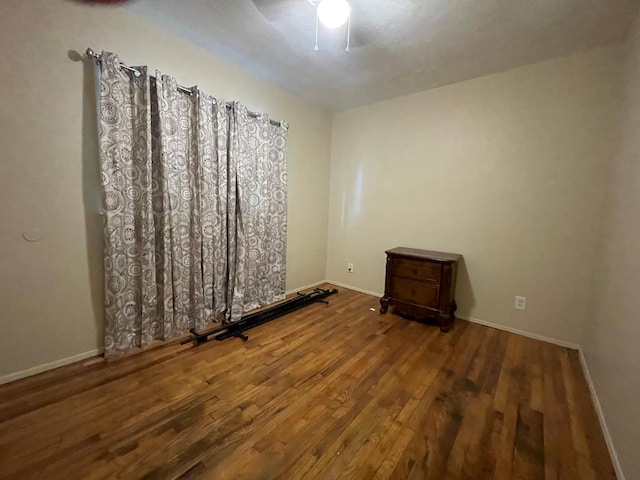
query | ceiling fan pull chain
[315, 49]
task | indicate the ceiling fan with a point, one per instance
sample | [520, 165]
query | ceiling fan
[331, 13]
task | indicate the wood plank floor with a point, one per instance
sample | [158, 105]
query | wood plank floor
[328, 392]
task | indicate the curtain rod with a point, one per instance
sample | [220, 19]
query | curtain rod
[98, 56]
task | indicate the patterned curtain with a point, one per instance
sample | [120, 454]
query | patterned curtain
[194, 200]
[263, 209]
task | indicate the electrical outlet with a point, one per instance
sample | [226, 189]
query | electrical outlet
[521, 303]
[350, 267]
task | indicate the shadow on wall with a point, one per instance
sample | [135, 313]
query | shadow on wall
[91, 192]
[465, 298]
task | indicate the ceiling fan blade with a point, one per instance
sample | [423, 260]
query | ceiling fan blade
[274, 10]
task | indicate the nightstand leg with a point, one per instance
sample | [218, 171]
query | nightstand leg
[452, 310]
[446, 320]
[384, 305]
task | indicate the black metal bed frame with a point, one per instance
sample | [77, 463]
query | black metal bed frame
[252, 320]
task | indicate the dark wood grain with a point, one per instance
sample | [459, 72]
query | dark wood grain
[327, 392]
[421, 284]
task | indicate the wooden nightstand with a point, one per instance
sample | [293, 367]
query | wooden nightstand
[421, 284]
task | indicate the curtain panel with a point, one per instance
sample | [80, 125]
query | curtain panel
[195, 208]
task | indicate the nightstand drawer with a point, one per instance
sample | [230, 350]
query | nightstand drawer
[426, 271]
[416, 292]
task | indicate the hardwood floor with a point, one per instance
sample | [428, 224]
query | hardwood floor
[327, 392]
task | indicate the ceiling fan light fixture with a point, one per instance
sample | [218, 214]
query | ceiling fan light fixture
[333, 13]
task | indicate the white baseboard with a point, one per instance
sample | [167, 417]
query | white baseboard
[524, 333]
[92, 353]
[351, 287]
[603, 423]
[47, 366]
[306, 287]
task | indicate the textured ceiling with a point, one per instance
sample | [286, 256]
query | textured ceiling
[398, 46]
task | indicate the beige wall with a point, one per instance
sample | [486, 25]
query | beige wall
[51, 291]
[612, 335]
[507, 170]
